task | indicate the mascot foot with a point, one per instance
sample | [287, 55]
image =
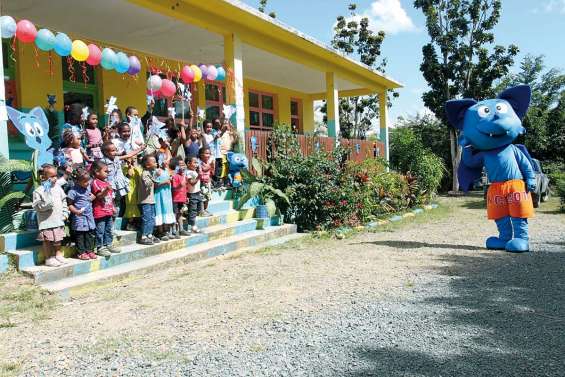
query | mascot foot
[495, 243]
[517, 245]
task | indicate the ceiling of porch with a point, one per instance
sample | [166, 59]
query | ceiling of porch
[133, 27]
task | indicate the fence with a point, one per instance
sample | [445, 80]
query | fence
[258, 143]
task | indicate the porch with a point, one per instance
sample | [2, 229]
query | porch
[276, 72]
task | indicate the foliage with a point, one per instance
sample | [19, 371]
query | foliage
[10, 199]
[456, 62]
[263, 7]
[560, 188]
[553, 169]
[408, 155]
[354, 37]
[545, 120]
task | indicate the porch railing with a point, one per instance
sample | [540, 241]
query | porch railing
[359, 150]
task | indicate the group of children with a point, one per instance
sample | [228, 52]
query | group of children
[155, 178]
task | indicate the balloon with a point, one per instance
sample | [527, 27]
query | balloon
[197, 73]
[212, 73]
[204, 69]
[221, 74]
[63, 44]
[122, 63]
[25, 31]
[168, 88]
[187, 75]
[134, 65]
[45, 40]
[109, 59]
[94, 55]
[154, 83]
[79, 51]
[8, 26]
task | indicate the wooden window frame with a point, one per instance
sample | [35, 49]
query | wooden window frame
[221, 102]
[298, 117]
[262, 111]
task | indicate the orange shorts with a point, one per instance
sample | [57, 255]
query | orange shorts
[509, 199]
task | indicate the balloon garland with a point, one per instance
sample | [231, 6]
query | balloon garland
[90, 54]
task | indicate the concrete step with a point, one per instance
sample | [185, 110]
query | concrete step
[70, 286]
[132, 252]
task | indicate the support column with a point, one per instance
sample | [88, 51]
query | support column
[201, 98]
[233, 56]
[4, 149]
[332, 98]
[383, 122]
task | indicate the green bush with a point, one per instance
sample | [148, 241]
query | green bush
[559, 185]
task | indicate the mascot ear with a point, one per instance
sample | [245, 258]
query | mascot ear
[455, 110]
[519, 98]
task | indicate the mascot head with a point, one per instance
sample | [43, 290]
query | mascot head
[491, 123]
[237, 161]
[33, 125]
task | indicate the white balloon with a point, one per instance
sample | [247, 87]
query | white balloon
[8, 26]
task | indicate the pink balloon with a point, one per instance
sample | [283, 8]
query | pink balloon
[156, 94]
[168, 88]
[94, 55]
[187, 74]
[26, 31]
[212, 73]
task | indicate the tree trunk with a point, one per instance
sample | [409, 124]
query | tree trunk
[455, 157]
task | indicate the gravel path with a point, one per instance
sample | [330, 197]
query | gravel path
[423, 299]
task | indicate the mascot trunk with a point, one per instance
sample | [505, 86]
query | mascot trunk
[488, 129]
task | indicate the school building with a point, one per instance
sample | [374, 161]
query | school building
[275, 72]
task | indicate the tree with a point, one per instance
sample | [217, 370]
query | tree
[544, 121]
[353, 37]
[263, 7]
[457, 62]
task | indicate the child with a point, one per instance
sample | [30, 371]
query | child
[136, 139]
[164, 213]
[215, 149]
[120, 184]
[93, 137]
[206, 171]
[103, 209]
[83, 226]
[123, 141]
[74, 121]
[146, 196]
[194, 194]
[180, 185]
[193, 144]
[74, 154]
[229, 139]
[111, 129]
[52, 211]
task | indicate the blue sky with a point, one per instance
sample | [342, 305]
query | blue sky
[535, 26]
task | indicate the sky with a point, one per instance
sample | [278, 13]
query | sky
[536, 26]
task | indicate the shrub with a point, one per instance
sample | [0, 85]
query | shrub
[560, 188]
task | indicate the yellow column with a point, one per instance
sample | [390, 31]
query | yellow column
[332, 99]
[233, 56]
[201, 94]
[308, 115]
[383, 120]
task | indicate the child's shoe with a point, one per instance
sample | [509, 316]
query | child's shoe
[146, 241]
[61, 259]
[195, 229]
[103, 251]
[184, 233]
[92, 255]
[83, 256]
[52, 262]
[155, 239]
[164, 238]
[113, 249]
[131, 227]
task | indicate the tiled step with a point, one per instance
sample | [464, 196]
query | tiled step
[69, 286]
[132, 252]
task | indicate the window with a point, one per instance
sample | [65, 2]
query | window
[261, 110]
[75, 90]
[215, 99]
[161, 108]
[296, 116]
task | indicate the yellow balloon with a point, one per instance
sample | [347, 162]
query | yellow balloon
[79, 51]
[197, 73]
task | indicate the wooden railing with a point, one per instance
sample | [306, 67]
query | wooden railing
[359, 149]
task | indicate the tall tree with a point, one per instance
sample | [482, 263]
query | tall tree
[263, 7]
[543, 122]
[457, 61]
[354, 37]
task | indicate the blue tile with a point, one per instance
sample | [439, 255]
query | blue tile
[396, 218]
[4, 263]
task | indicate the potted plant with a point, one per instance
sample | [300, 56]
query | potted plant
[258, 188]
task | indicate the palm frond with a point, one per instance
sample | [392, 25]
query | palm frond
[8, 205]
[9, 166]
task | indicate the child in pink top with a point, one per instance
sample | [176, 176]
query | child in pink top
[180, 191]
[207, 168]
[73, 152]
[93, 137]
[103, 209]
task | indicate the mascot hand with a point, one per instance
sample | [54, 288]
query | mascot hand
[530, 185]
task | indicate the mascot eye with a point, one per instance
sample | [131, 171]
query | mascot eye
[483, 111]
[502, 108]
[38, 129]
[30, 130]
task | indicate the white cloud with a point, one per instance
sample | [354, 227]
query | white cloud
[551, 6]
[388, 16]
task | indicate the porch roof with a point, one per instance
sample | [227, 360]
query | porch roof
[193, 31]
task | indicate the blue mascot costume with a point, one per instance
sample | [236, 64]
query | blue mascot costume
[488, 129]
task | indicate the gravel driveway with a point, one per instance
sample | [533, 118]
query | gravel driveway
[421, 299]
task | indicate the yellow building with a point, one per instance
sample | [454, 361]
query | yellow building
[276, 72]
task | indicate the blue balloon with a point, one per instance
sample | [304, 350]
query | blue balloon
[45, 40]
[63, 45]
[109, 59]
[122, 62]
[221, 73]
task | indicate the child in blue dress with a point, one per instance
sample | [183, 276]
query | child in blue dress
[80, 199]
[164, 212]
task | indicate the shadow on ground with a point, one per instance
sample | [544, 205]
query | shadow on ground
[418, 245]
